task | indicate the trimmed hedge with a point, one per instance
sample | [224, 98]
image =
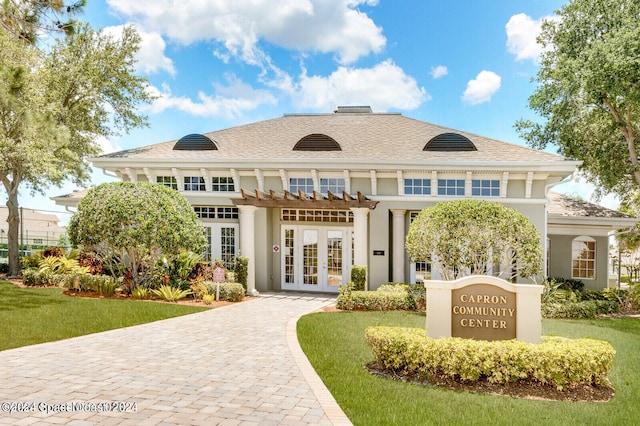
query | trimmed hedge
[232, 292]
[390, 296]
[557, 361]
[374, 301]
[585, 309]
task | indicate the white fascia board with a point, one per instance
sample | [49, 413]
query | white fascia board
[611, 223]
[562, 167]
[431, 199]
[574, 230]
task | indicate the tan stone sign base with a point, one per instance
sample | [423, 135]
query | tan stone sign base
[484, 307]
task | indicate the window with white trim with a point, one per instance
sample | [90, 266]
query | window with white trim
[222, 184]
[169, 181]
[303, 184]
[194, 183]
[417, 186]
[335, 185]
[485, 188]
[451, 187]
[583, 258]
[211, 212]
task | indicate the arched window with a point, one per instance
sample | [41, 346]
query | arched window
[317, 142]
[583, 258]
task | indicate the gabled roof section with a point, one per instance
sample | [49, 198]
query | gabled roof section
[195, 142]
[317, 142]
[449, 142]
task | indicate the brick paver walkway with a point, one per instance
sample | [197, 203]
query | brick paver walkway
[239, 364]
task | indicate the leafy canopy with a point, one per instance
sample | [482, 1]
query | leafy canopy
[463, 237]
[133, 225]
[54, 105]
[589, 91]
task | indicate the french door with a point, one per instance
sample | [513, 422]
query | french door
[223, 240]
[316, 258]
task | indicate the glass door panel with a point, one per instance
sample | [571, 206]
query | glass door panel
[334, 258]
[310, 256]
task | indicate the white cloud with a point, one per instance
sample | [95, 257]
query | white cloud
[108, 145]
[326, 26]
[384, 87]
[439, 71]
[482, 88]
[150, 55]
[230, 101]
[522, 32]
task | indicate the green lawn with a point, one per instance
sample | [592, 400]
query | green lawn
[335, 345]
[36, 315]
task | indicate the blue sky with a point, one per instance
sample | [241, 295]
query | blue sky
[465, 64]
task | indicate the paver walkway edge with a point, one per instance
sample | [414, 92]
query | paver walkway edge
[236, 365]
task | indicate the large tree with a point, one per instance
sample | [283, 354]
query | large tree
[132, 225]
[589, 91]
[54, 105]
[27, 19]
[466, 237]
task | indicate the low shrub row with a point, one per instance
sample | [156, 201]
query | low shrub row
[557, 361]
[584, 309]
[391, 296]
[232, 292]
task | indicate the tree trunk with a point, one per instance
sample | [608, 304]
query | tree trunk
[13, 220]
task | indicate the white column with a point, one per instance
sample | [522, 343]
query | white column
[246, 216]
[398, 245]
[360, 235]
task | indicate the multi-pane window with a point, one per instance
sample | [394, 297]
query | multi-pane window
[227, 245]
[417, 186]
[169, 181]
[451, 187]
[206, 212]
[289, 260]
[222, 184]
[303, 184]
[335, 185]
[303, 215]
[583, 257]
[485, 188]
[194, 183]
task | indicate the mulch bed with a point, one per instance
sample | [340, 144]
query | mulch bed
[521, 389]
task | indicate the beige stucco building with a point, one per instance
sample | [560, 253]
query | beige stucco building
[305, 196]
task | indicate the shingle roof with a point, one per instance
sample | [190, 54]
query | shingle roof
[566, 206]
[362, 136]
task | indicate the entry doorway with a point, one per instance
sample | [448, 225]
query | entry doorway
[316, 259]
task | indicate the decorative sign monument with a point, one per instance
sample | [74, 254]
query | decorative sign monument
[485, 308]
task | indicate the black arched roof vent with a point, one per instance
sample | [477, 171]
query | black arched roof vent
[450, 142]
[195, 142]
[317, 142]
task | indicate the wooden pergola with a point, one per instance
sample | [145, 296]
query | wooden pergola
[302, 200]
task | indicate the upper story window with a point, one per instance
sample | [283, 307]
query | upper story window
[169, 181]
[417, 186]
[583, 258]
[194, 183]
[485, 188]
[209, 212]
[451, 187]
[335, 185]
[222, 184]
[301, 184]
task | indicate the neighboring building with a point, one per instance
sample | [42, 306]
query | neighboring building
[37, 229]
[306, 196]
[578, 239]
